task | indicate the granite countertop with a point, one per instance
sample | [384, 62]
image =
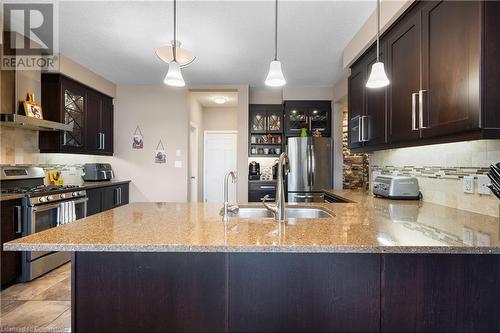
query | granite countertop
[5, 197]
[370, 225]
[105, 183]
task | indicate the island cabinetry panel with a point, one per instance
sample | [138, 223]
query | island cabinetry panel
[148, 292]
[11, 228]
[440, 293]
[283, 292]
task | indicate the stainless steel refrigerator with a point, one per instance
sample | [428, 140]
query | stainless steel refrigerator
[310, 161]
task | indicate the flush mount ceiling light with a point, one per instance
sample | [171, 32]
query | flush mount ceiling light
[275, 76]
[219, 99]
[377, 78]
[174, 75]
[166, 54]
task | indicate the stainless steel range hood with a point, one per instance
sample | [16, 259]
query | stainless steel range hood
[30, 123]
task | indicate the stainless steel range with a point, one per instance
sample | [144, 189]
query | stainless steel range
[43, 207]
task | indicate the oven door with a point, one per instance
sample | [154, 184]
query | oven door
[44, 217]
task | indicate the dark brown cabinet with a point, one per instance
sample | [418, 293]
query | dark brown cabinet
[89, 111]
[313, 115]
[403, 69]
[106, 198]
[443, 67]
[257, 190]
[451, 64]
[11, 228]
[265, 130]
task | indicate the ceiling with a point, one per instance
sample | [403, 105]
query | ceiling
[232, 40]
[206, 98]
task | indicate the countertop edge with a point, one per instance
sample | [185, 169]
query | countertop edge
[252, 249]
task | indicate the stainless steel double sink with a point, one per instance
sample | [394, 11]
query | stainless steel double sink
[291, 212]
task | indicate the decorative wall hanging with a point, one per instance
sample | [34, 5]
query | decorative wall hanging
[160, 155]
[137, 142]
[32, 109]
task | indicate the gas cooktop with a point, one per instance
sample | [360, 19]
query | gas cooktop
[38, 189]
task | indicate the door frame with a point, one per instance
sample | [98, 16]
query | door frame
[197, 153]
[205, 157]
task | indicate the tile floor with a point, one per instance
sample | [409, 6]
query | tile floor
[43, 305]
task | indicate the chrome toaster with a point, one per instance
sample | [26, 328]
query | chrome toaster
[396, 187]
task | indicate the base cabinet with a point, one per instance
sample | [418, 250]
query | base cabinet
[285, 292]
[106, 198]
[11, 229]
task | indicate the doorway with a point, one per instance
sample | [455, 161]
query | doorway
[220, 156]
[193, 163]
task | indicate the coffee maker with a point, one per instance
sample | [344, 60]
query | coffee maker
[254, 171]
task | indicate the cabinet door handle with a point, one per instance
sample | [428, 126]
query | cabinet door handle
[421, 95]
[414, 126]
[19, 219]
[360, 139]
[103, 140]
[363, 136]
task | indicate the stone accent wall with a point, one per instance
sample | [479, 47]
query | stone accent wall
[356, 167]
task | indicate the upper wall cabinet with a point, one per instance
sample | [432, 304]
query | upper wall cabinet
[313, 115]
[91, 113]
[442, 58]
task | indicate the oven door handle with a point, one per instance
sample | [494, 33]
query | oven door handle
[43, 208]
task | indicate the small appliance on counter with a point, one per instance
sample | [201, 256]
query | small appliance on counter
[275, 169]
[253, 171]
[97, 172]
[396, 187]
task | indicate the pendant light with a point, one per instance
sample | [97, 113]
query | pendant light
[275, 76]
[174, 76]
[377, 78]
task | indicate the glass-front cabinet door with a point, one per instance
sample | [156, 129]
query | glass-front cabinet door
[319, 120]
[274, 121]
[73, 113]
[295, 119]
[258, 122]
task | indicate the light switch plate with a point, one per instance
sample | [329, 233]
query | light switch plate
[468, 236]
[483, 239]
[178, 152]
[178, 164]
[468, 184]
[482, 182]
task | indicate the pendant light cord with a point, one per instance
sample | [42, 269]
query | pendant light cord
[175, 31]
[378, 29]
[276, 30]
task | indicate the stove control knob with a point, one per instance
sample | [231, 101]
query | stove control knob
[75, 194]
[62, 196]
[49, 197]
[42, 199]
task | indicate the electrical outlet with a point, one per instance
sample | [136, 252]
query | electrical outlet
[482, 182]
[468, 184]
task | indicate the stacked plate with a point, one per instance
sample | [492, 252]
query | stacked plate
[494, 175]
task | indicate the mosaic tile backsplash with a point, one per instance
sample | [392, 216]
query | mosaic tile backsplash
[440, 170]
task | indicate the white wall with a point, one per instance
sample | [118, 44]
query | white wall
[162, 113]
[220, 119]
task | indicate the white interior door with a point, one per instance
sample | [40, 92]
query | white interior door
[193, 167]
[219, 158]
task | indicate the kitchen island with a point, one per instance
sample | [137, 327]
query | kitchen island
[376, 265]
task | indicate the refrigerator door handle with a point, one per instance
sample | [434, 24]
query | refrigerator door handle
[309, 165]
[313, 164]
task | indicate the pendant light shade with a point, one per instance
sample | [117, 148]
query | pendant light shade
[275, 77]
[377, 78]
[174, 76]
